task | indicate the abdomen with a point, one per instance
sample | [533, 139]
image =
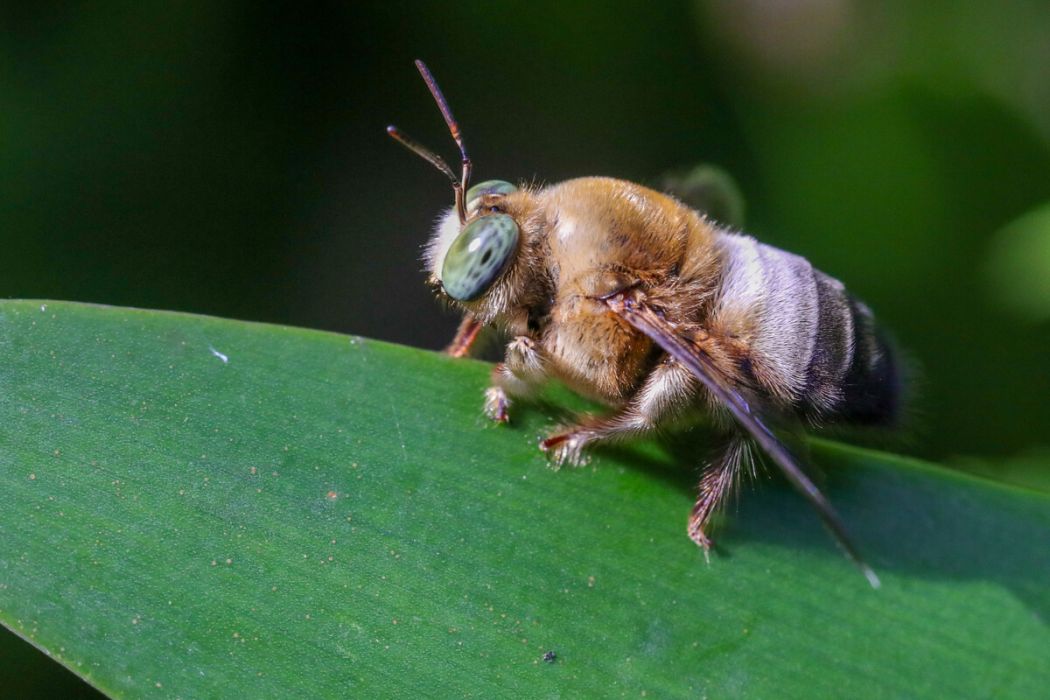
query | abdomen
[812, 346]
[857, 357]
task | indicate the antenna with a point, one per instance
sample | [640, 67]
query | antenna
[423, 152]
[460, 185]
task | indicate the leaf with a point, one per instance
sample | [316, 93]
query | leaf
[196, 507]
[1030, 469]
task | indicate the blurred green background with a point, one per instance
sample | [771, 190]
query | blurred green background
[230, 158]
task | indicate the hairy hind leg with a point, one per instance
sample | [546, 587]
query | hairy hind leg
[720, 477]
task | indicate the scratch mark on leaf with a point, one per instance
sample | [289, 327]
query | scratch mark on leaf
[397, 424]
[219, 355]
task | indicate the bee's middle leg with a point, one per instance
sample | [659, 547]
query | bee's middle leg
[667, 390]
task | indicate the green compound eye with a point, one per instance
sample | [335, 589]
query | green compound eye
[478, 256]
[489, 187]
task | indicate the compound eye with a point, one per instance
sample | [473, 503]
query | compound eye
[488, 187]
[478, 256]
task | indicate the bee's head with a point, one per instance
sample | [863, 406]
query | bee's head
[477, 240]
[467, 260]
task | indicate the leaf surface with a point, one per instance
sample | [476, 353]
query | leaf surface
[200, 507]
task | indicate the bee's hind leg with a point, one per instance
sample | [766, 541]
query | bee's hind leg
[667, 390]
[720, 477]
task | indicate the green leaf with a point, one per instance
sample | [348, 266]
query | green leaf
[1030, 469]
[196, 507]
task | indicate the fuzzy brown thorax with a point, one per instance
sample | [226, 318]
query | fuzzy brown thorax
[581, 240]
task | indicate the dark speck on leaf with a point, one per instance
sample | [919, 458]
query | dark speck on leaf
[550, 657]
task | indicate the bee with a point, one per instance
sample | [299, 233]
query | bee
[632, 298]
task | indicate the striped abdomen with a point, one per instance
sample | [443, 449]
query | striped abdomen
[812, 345]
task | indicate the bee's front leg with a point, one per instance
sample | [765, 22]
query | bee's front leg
[666, 391]
[517, 376]
[466, 335]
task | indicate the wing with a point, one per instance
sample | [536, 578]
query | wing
[647, 320]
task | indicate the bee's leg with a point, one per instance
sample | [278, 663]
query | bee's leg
[720, 477]
[517, 376]
[667, 390]
[465, 336]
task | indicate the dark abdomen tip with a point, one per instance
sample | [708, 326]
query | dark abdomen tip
[872, 387]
